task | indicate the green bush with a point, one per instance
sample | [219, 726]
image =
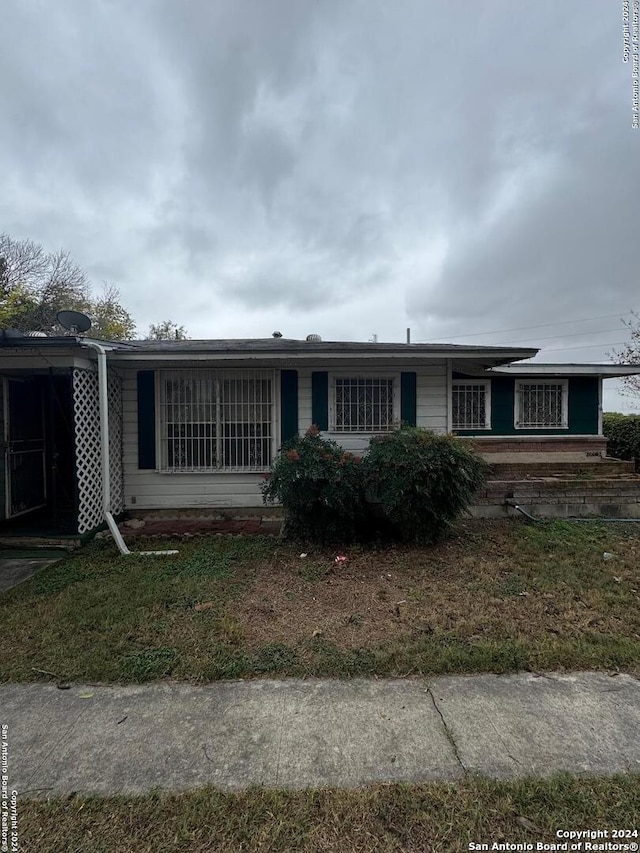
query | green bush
[320, 487]
[411, 485]
[623, 434]
[422, 481]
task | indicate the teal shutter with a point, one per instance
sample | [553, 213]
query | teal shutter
[408, 402]
[583, 405]
[146, 419]
[288, 404]
[320, 399]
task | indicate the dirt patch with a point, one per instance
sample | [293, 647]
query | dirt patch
[488, 587]
[350, 606]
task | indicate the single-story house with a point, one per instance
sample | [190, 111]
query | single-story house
[197, 423]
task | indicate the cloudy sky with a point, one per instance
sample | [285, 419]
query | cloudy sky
[345, 167]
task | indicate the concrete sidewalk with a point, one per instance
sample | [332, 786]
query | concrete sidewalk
[296, 734]
[15, 570]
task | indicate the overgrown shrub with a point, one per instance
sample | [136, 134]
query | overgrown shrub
[320, 487]
[422, 480]
[623, 434]
[419, 481]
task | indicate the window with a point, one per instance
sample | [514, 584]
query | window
[471, 405]
[363, 404]
[541, 405]
[216, 420]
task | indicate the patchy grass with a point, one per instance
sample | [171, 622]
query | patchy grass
[395, 818]
[496, 596]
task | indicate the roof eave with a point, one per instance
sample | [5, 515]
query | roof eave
[610, 371]
[490, 356]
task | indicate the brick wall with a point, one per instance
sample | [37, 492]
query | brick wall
[552, 497]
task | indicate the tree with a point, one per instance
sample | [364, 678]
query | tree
[63, 285]
[109, 320]
[20, 261]
[166, 331]
[630, 354]
[17, 308]
[35, 285]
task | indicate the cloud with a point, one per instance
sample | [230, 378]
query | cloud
[340, 166]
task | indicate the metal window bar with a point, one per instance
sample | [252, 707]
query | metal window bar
[469, 406]
[540, 405]
[215, 420]
[363, 404]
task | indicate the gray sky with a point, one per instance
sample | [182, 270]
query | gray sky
[346, 167]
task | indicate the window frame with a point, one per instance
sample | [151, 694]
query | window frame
[564, 403]
[486, 383]
[217, 374]
[359, 374]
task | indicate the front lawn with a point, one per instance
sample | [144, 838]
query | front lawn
[394, 818]
[497, 596]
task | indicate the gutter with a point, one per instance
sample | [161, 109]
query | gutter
[104, 451]
[306, 357]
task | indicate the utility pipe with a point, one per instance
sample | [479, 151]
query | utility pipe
[596, 519]
[103, 390]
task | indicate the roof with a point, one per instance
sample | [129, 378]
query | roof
[495, 358]
[292, 345]
[273, 349]
[534, 369]
[290, 352]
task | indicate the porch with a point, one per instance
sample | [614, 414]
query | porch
[50, 464]
[38, 487]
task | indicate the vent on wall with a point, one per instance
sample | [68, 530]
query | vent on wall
[314, 338]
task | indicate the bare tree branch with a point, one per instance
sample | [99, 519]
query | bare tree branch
[35, 285]
[630, 354]
[24, 262]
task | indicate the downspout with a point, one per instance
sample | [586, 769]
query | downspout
[104, 447]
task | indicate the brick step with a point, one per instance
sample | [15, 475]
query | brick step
[168, 527]
[592, 492]
[597, 468]
[626, 485]
[538, 444]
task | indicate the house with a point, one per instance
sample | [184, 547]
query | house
[196, 424]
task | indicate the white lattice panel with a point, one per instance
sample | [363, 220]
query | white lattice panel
[115, 442]
[86, 406]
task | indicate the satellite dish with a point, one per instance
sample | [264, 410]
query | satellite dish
[74, 321]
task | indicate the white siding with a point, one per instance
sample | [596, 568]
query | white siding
[146, 489]
[431, 401]
[304, 399]
[431, 393]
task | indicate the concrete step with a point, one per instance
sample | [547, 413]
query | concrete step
[68, 543]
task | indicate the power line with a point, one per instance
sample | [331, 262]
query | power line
[526, 328]
[555, 337]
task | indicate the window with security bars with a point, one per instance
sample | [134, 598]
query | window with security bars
[363, 404]
[470, 406]
[216, 421]
[541, 405]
